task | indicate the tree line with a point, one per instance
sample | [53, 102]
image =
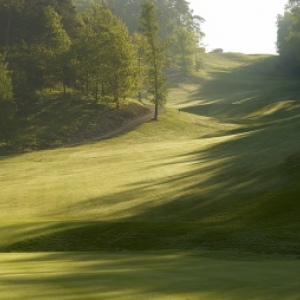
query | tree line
[108, 50]
[288, 38]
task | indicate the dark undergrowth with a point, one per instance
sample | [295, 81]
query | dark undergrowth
[57, 120]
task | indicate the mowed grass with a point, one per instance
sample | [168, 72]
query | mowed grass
[165, 276]
[220, 175]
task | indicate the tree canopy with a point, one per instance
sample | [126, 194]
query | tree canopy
[288, 37]
[102, 49]
[176, 21]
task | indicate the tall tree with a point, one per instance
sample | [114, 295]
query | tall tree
[285, 48]
[106, 56]
[155, 51]
[52, 51]
[288, 38]
[141, 72]
[177, 24]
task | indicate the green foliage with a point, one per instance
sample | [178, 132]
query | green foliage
[127, 10]
[182, 29]
[50, 45]
[7, 105]
[177, 25]
[105, 55]
[288, 38]
[22, 21]
[155, 55]
[37, 60]
[53, 52]
[55, 37]
[185, 50]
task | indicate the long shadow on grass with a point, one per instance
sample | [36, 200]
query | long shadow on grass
[243, 91]
[147, 276]
[236, 195]
[262, 75]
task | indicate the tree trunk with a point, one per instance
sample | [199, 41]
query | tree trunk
[156, 102]
[116, 93]
[96, 92]
[102, 88]
[140, 74]
[87, 84]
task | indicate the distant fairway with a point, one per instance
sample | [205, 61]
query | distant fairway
[220, 174]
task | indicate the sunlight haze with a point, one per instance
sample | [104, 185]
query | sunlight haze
[239, 26]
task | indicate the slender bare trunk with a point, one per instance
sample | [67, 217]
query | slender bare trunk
[116, 92]
[140, 74]
[156, 95]
[96, 92]
[87, 85]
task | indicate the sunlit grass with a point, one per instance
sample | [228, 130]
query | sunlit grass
[218, 143]
[220, 174]
[50, 183]
[203, 276]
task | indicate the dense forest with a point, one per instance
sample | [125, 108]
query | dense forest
[100, 51]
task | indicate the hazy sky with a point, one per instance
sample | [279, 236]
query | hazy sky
[239, 25]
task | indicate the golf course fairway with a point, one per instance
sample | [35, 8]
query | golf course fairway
[201, 204]
[147, 276]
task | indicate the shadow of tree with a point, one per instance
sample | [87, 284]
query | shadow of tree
[144, 276]
[236, 195]
[245, 93]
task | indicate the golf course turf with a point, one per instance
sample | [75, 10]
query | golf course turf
[201, 204]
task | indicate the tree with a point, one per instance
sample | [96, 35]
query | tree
[126, 10]
[182, 29]
[288, 38]
[105, 55]
[294, 2]
[23, 21]
[41, 62]
[139, 43]
[154, 55]
[53, 51]
[26, 77]
[185, 48]
[285, 48]
[7, 105]
[175, 20]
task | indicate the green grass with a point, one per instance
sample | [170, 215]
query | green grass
[204, 276]
[56, 120]
[220, 175]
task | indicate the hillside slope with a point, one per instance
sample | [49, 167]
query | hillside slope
[220, 173]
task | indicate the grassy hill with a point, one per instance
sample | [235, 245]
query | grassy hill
[221, 173]
[56, 120]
